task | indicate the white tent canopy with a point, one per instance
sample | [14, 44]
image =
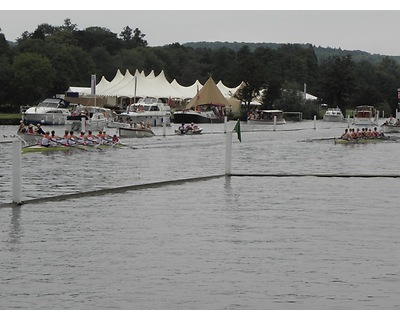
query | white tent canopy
[140, 85]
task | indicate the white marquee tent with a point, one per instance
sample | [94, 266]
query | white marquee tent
[140, 85]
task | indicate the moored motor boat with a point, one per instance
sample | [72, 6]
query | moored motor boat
[150, 110]
[333, 115]
[88, 118]
[50, 112]
[365, 116]
[204, 114]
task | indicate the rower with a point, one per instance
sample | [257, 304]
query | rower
[71, 138]
[65, 138]
[99, 137]
[46, 139]
[53, 139]
[81, 138]
[30, 129]
[182, 128]
[90, 138]
[22, 128]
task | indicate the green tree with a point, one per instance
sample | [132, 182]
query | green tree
[337, 81]
[98, 37]
[248, 69]
[33, 76]
[5, 76]
[138, 39]
[126, 34]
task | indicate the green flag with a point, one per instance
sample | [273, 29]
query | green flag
[237, 129]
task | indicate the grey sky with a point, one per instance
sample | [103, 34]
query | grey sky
[372, 30]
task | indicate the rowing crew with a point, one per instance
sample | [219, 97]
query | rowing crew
[364, 133]
[69, 139]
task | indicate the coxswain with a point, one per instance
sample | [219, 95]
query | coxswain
[39, 130]
[115, 139]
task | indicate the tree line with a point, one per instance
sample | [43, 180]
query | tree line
[50, 59]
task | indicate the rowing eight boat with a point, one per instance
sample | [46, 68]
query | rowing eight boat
[363, 140]
[39, 148]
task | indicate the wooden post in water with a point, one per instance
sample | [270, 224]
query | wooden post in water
[228, 153]
[348, 121]
[315, 122]
[274, 123]
[16, 175]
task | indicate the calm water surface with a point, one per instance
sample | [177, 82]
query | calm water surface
[226, 243]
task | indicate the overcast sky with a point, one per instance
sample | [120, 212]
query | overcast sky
[374, 31]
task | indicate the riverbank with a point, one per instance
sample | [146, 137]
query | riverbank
[10, 118]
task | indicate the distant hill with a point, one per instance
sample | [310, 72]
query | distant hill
[321, 52]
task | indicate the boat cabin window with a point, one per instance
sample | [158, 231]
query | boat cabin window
[48, 104]
[54, 111]
[148, 100]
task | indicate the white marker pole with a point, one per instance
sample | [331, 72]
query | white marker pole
[16, 176]
[164, 126]
[225, 123]
[228, 153]
[274, 123]
[315, 122]
[83, 124]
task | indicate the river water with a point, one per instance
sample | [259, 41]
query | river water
[295, 241]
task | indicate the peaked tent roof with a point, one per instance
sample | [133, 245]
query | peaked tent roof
[140, 85]
[208, 94]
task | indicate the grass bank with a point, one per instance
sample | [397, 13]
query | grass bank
[10, 118]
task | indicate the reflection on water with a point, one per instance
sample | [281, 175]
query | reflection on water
[15, 227]
[225, 243]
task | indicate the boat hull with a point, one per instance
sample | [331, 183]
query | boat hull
[333, 118]
[390, 128]
[39, 148]
[266, 122]
[366, 122]
[188, 132]
[361, 141]
[135, 133]
[196, 117]
[46, 119]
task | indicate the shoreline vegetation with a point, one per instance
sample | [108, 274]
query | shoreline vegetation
[10, 118]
